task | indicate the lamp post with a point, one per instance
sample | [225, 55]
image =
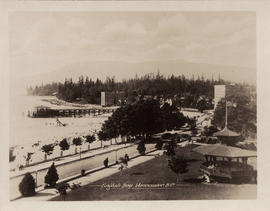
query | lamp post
[116, 156]
[36, 172]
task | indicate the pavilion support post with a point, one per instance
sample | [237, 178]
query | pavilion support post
[230, 163]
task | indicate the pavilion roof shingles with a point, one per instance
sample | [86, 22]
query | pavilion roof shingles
[224, 151]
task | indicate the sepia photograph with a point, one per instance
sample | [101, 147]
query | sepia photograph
[116, 104]
[132, 105]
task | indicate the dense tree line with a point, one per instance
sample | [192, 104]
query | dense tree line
[183, 92]
[150, 84]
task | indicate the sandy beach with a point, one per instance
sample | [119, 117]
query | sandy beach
[28, 135]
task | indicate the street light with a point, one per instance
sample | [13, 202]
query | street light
[36, 172]
[116, 156]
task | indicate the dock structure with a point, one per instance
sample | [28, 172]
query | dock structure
[47, 112]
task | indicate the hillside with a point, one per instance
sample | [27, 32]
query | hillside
[124, 70]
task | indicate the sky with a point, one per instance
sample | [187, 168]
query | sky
[42, 42]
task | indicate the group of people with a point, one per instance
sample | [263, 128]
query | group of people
[123, 162]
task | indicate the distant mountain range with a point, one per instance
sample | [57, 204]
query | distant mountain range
[125, 70]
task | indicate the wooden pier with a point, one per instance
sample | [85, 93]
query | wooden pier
[47, 112]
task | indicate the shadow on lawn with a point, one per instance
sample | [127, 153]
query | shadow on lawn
[136, 173]
[194, 180]
[44, 194]
[191, 160]
[149, 155]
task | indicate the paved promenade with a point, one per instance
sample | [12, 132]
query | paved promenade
[47, 194]
[67, 159]
[70, 166]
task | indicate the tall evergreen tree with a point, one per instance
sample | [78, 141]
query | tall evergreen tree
[52, 176]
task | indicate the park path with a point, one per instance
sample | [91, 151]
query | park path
[70, 166]
[66, 159]
[47, 194]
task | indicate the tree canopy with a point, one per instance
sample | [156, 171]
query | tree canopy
[143, 118]
[47, 148]
[64, 145]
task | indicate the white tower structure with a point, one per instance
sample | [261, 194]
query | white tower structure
[103, 102]
[219, 93]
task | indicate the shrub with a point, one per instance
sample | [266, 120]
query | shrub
[52, 176]
[141, 148]
[211, 141]
[209, 131]
[166, 136]
[170, 148]
[176, 137]
[62, 189]
[27, 185]
[202, 140]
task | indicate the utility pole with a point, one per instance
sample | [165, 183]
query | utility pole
[116, 156]
[36, 172]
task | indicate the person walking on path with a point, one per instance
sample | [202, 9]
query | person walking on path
[106, 162]
[124, 162]
[127, 157]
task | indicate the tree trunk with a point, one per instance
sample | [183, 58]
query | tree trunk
[61, 153]
[177, 178]
[88, 146]
[45, 156]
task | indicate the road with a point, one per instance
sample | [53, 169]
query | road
[75, 167]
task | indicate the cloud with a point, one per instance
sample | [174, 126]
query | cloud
[48, 40]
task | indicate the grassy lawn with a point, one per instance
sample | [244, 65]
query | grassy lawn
[155, 172]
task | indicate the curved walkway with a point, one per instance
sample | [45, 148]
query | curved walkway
[101, 172]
